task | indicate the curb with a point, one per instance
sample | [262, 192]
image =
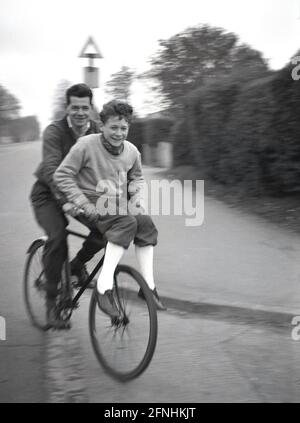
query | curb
[275, 320]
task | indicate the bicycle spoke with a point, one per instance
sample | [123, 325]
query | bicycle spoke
[126, 349]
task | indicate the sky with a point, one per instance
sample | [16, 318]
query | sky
[40, 40]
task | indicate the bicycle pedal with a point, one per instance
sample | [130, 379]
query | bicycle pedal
[67, 326]
[117, 321]
[65, 303]
[74, 281]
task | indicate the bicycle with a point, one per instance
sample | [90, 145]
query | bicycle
[124, 346]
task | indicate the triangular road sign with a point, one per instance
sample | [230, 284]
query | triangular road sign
[90, 49]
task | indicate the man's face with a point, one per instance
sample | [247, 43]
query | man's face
[79, 111]
[115, 130]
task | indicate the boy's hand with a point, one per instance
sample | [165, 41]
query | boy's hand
[90, 212]
[140, 209]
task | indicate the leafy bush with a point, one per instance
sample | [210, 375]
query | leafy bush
[24, 129]
[244, 133]
[158, 130]
[209, 116]
[284, 152]
[182, 144]
[137, 133]
[248, 135]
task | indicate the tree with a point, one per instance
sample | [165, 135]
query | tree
[59, 99]
[24, 129]
[248, 63]
[197, 54]
[9, 105]
[120, 83]
[9, 109]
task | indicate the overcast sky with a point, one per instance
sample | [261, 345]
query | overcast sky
[40, 39]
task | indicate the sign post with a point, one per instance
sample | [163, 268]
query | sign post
[91, 52]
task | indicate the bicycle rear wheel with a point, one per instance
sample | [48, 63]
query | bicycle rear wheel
[34, 285]
[125, 346]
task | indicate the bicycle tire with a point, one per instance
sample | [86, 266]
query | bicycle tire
[35, 286]
[141, 325]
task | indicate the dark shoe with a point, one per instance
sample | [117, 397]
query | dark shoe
[78, 270]
[54, 321]
[157, 301]
[107, 304]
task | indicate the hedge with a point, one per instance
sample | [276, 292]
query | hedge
[243, 133]
[23, 129]
[284, 152]
[137, 133]
[208, 116]
[150, 131]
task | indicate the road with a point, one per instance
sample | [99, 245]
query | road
[232, 289]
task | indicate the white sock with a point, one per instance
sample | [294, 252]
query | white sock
[113, 255]
[144, 257]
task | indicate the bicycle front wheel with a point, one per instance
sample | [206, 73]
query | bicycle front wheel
[125, 346]
[34, 285]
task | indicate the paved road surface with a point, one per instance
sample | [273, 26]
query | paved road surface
[232, 287]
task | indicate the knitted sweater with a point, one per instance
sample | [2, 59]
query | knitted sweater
[90, 171]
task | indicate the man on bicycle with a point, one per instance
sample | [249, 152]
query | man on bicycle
[58, 138]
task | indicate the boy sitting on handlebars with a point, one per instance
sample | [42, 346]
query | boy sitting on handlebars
[102, 176]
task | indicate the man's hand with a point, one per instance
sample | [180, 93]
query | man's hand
[72, 210]
[90, 212]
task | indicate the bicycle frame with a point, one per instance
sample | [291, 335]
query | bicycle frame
[92, 274]
[130, 307]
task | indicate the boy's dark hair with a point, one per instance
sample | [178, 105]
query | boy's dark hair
[116, 108]
[79, 90]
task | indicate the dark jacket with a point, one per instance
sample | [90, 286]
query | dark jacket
[58, 139]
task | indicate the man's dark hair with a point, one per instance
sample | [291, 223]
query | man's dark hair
[79, 90]
[116, 108]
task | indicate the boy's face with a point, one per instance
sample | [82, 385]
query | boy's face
[79, 111]
[115, 130]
